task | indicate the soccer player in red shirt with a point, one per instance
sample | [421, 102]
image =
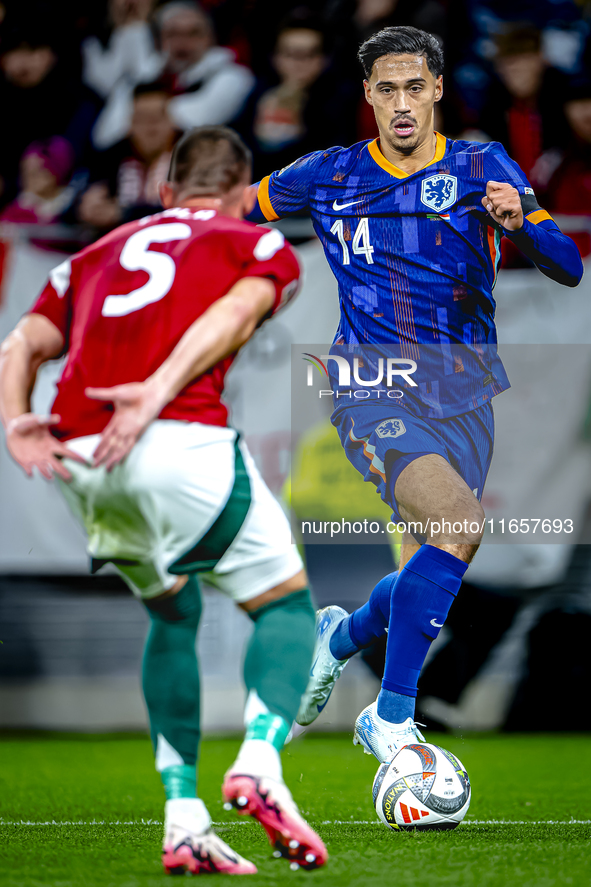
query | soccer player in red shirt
[151, 317]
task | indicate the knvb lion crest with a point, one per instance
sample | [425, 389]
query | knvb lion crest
[391, 428]
[439, 192]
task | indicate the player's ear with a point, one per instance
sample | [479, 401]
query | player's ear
[167, 194]
[367, 90]
[439, 88]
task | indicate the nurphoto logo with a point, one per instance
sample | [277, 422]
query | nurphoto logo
[385, 372]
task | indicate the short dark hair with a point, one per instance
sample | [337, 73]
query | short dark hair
[518, 38]
[152, 88]
[401, 40]
[210, 160]
[305, 19]
[168, 10]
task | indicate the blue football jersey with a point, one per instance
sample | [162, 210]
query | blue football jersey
[415, 256]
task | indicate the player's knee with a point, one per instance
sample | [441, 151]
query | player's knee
[300, 601]
[183, 606]
[295, 583]
[292, 616]
[465, 526]
[474, 521]
[472, 525]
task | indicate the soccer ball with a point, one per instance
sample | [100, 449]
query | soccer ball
[423, 787]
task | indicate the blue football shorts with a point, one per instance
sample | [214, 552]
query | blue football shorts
[386, 438]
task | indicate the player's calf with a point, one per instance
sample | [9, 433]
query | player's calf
[462, 530]
[419, 603]
[276, 670]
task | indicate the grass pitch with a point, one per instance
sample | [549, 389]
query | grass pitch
[72, 806]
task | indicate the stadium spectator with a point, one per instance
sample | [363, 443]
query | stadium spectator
[307, 109]
[356, 20]
[208, 86]
[39, 99]
[470, 45]
[124, 48]
[522, 110]
[125, 178]
[563, 178]
[46, 195]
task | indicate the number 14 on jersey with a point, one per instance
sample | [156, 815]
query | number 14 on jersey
[360, 244]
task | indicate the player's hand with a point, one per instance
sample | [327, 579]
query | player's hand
[503, 204]
[31, 445]
[136, 405]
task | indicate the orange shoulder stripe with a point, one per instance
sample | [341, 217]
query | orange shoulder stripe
[265, 201]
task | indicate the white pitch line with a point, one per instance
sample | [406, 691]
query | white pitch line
[324, 822]
[527, 822]
[473, 822]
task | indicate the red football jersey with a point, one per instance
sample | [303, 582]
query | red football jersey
[123, 303]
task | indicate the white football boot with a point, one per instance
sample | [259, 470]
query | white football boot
[325, 669]
[381, 738]
[191, 846]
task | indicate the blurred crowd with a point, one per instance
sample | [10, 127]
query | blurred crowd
[94, 95]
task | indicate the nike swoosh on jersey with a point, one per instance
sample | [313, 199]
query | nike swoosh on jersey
[336, 206]
[436, 624]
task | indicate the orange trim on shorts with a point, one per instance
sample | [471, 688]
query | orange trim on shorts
[368, 455]
[539, 215]
[265, 201]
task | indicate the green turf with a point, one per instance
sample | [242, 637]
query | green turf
[110, 780]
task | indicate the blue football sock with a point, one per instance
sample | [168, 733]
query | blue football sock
[395, 707]
[366, 624]
[340, 644]
[422, 597]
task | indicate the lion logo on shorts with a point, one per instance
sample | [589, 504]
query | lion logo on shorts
[391, 428]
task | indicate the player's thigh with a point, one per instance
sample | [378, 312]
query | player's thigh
[150, 510]
[263, 555]
[381, 440]
[104, 505]
[429, 489]
[449, 488]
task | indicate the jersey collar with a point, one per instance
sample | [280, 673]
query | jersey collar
[374, 150]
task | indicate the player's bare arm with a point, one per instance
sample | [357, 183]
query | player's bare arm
[222, 330]
[28, 438]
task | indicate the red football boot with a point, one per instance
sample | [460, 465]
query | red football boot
[269, 801]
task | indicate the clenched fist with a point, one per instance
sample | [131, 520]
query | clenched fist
[503, 204]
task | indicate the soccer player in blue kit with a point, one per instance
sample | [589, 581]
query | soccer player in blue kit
[411, 224]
